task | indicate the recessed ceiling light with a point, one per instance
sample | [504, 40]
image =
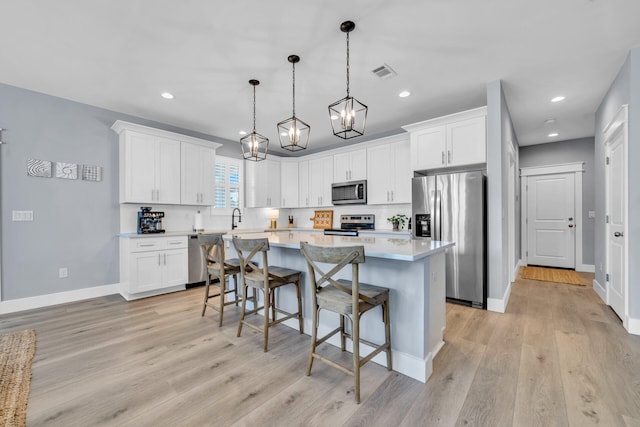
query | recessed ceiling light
[550, 121]
[557, 99]
[334, 117]
[242, 132]
[167, 95]
[553, 134]
[404, 94]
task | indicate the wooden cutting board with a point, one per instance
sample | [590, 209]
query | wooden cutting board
[323, 219]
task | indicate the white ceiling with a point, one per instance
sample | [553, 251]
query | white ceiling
[121, 55]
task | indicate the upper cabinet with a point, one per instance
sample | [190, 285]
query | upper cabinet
[454, 140]
[262, 184]
[198, 174]
[289, 184]
[389, 178]
[151, 170]
[320, 179]
[350, 166]
[303, 184]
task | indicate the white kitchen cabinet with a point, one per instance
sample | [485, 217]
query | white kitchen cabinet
[303, 184]
[149, 168]
[389, 178]
[320, 179]
[455, 140]
[262, 184]
[289, 184]
[153, 265]
[150, 164]
[197, 174]
[350, 166]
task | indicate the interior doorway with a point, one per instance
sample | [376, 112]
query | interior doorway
[552, 215]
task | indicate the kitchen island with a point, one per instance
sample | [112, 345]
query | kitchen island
[413, 270]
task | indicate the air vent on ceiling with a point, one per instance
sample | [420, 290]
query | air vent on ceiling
[384, 71]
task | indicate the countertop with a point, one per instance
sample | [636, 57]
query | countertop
[401, 248]
[402, 234]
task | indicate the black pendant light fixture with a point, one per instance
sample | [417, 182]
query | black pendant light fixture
[254, 145]
[348, 116]
[293, 132]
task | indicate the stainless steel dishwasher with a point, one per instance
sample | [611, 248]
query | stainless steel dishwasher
[197, 261]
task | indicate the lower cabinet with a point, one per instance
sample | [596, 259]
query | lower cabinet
[150, 266]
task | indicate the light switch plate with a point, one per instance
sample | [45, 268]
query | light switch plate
[592, 214]
[22, 215]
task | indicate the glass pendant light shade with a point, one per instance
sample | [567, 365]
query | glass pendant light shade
[293, 132]
[348, 116]
[254, 145]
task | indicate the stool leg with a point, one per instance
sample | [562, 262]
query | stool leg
[387, 332]
[206, 294]
[355, 337]
[314, 335]
[222, 281]
[244, 306]
[267, 303]
[235, 287]
[273, 304]
[299, 307]
[342, 333]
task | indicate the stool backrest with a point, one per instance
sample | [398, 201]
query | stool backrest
[339, 257]
[213, 248]
[247, 250]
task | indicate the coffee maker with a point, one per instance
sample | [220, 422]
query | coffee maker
[149, 222]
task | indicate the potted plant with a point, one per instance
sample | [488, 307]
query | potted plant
[398, 221]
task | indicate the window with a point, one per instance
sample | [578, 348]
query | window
[228, 182]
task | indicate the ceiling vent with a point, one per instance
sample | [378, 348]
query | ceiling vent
[384, 71]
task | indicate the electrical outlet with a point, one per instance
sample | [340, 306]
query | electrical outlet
[592, 214]
[21, 215]
[63, 272]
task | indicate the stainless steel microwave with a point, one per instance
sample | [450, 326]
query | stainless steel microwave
[349, 193]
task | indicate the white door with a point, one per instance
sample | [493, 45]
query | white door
[551, 225]
[615, 202]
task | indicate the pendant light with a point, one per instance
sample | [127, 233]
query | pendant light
[293, 132]
[254, 145]
[348, 115]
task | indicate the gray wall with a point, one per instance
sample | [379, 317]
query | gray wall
[625, 89]
[75, 222]
[499, 133]
[575, 150]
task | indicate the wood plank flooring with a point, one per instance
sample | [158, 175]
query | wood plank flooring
[557, 357]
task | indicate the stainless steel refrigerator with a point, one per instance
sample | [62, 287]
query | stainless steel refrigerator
[452, 207]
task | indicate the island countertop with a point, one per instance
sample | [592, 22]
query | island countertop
[401, 248]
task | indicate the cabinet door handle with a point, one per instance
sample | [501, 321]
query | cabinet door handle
[449, 156]
[618, 234]
[443, 157]
[392, 195]
[159, 260]
[146, 245]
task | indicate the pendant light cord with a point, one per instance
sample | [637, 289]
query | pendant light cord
[294, 89]
[347, 65]
[254, 108]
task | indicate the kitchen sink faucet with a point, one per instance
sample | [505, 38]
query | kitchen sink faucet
[233, 218]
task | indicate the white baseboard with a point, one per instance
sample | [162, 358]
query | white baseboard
[600, 290]
[499, 305]
[30, 303]
[132, 297]
[586, 268]
[633, 326]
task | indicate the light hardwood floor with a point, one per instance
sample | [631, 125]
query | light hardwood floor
[558, 356]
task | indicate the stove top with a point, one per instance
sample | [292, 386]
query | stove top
[350, 224]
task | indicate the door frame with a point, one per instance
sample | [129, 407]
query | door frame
[577, 169]
[619, 123]
[511, 213]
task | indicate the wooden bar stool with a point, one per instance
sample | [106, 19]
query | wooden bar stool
[350, 299]
[267, 279]
[218, 267]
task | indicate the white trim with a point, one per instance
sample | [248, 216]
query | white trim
[499, 305]
[30, 303]
[633, 326]
[586, 268]
[463, 115]
[552, 169]
[600, 290]
[120, 126]
[140, 295]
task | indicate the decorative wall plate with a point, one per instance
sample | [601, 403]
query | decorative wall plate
[40, 168]
[66, 170]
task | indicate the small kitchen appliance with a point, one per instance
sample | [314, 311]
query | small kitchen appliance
[149, 222]
[351, 224]
[349, 193]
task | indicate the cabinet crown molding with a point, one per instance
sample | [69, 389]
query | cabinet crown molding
[468, 114]
[121, 126]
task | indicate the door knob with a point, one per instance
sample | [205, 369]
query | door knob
[570, 225]
[618, 234]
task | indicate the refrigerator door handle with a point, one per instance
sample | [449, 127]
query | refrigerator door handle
[436, 214]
